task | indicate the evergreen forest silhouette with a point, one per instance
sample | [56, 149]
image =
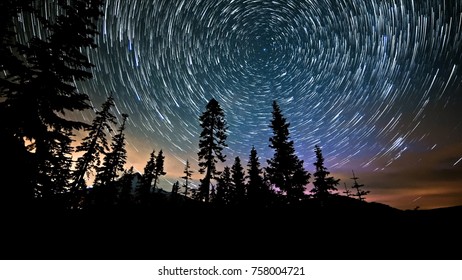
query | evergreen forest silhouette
[246, 210]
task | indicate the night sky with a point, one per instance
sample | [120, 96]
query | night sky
[377, 84]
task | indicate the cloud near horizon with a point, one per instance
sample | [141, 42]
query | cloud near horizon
[435, 180]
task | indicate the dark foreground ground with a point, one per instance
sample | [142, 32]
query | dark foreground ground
[362, 231]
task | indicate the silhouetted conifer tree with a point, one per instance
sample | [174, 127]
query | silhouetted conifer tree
[57, 62]
[37, 92]
[360, 194]
[13, 71]
[323, 184]
[158, 169]
[347, 191]
[238, 178]
[187, 177]
[93, 146]
[211, 143]
[143, 188]
[125, 185]
[224, 188]
[56, 171]
[257, 193]
[113, 162]
[175, 188]
[285, 170]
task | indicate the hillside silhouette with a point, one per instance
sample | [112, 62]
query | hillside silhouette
[344, 229]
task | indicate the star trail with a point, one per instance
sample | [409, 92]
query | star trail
[377, 84]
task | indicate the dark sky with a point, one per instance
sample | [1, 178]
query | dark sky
[377, 84]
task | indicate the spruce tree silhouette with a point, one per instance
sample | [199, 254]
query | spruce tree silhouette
[157, 195]
[257, 193]
[125, 198]
[211, 143]
[38, 87]
[323, 184]
[158, 169]
[105, 191]
[93, 146]
[143, 188]
[14, 71]
[55, 172]
[285, 170]
[224, 188]
[56, 63]
[238, 179]
[360, 194]
[187, 177]
[347, 191]
[175, 188]
[174, 193]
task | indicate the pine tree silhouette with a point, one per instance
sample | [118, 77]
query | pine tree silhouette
[285, 170]
[347, 191]
[174, 192]
[56, 63]
[14, 74]
[104, 187]
[323, 183]
[360, 194]
[92, 146]
[38, 87]
[211, 143]
[158, 169]
[257, 193]
[125, 183]
[224, 188]
[238, 177]
[187, 177]
[175, 188]
[57, 171]
[143, 188]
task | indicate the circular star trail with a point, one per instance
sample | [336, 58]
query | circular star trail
[369, 81]
[359, 79]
